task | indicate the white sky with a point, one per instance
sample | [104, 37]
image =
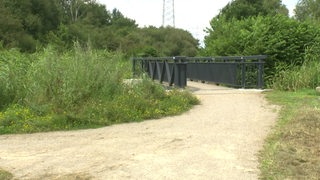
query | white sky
[191, 15]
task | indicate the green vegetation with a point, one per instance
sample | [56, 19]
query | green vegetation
[33, 24]
[308, 10]
[5, 175]
[293, 78]
[82, 88]
[292, 149]
[241, 9]
[49, 82]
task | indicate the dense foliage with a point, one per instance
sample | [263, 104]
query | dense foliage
[31, 24]
[165, 42]
[308, 10]
[267, 32]
[241, 9]
[50, 90]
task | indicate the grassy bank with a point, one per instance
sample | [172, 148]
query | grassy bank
[82, 88]
[292, 151]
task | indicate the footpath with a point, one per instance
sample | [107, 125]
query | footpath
[218, 139]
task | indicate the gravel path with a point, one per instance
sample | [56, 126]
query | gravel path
[218, 139]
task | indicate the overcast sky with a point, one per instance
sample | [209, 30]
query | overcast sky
[192, 15]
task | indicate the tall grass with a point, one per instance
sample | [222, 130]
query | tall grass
[66, 80]
[13, 70]
[293, 78]
[82, 88]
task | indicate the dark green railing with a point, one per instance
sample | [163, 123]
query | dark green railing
[235, 71]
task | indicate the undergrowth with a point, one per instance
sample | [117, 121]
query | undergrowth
[82, 88]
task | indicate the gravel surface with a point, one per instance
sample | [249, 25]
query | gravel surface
[218, 139]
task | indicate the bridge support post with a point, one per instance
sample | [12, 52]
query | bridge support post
[180, 75]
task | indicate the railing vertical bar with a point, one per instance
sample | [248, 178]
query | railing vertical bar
[158, 70]
[260, 74]
[152, 70]
[243, 73]
[172, 75]
[162, 72]
[168, 71]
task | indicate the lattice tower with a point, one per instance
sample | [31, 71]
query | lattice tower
[168, 18]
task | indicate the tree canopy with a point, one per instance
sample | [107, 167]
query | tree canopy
[308, 10]
[241, 9]
[30, 24]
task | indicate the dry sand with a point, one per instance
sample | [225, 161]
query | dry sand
[218, 139]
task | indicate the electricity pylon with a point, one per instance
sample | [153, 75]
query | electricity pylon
[168, 18]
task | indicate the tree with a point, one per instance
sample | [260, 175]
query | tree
[166, 41]
[12, 32]
[241, 9]
[73, 9]
[29, 23]
[274, 7]
[308, 10]
[97, 15]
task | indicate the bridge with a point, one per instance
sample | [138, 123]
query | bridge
[233, 71]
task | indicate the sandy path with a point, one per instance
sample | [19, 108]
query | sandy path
[218, 139]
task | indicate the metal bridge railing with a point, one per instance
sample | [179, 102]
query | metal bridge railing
[235, 71]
